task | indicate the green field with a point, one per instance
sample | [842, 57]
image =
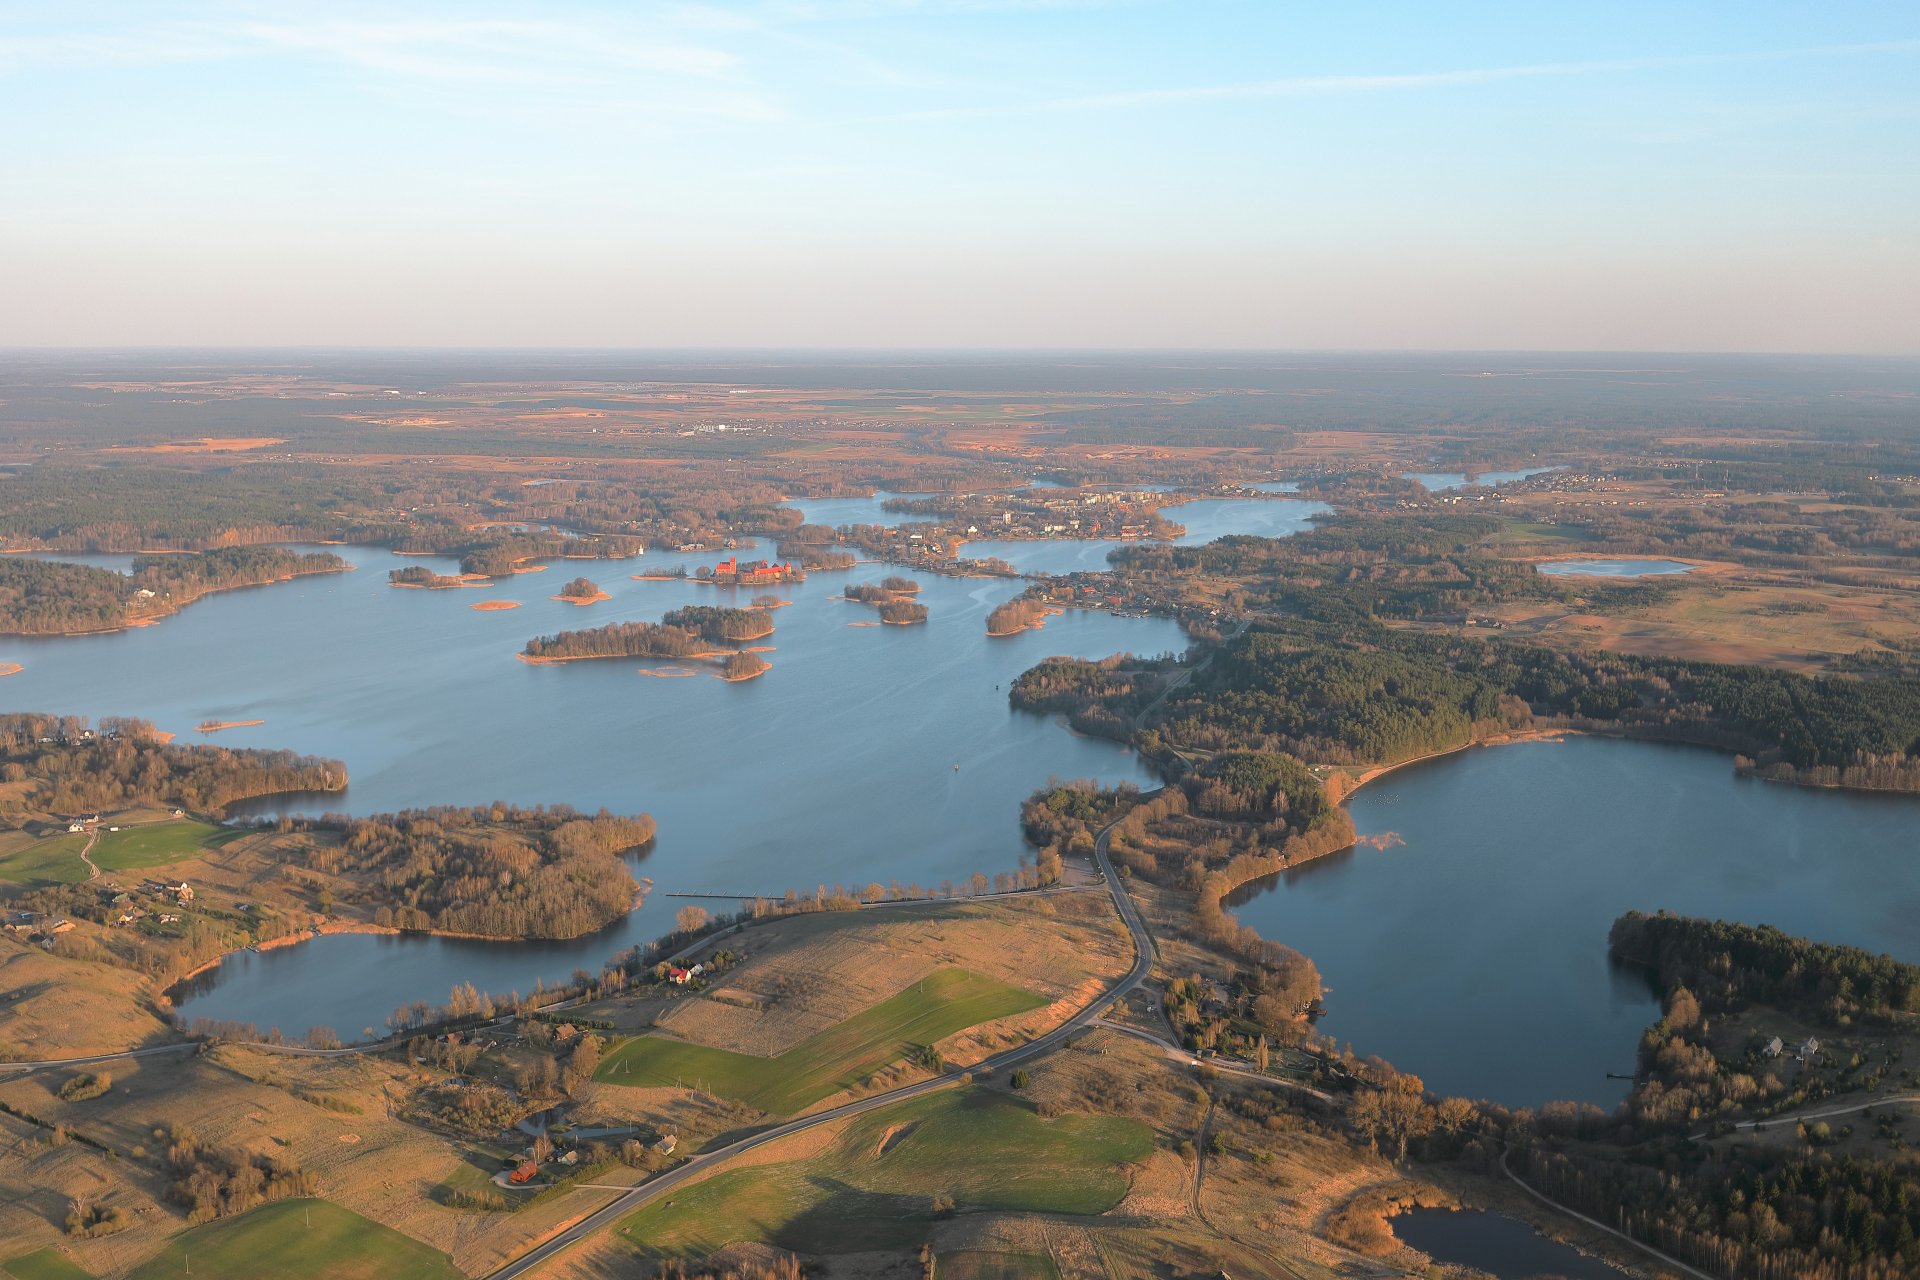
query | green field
[945, 1001]
[55, 861]
[154, 844]
[297, 1240]
[874, 1187]
[982, 1264]
[45, 1264]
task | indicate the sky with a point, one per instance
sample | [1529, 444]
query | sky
[1253, 174]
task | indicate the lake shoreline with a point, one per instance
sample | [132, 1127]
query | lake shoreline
[335, 928]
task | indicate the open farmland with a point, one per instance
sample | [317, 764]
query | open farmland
[944, 1002]
[295, 1239]
[874, 1186]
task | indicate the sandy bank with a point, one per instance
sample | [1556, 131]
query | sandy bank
[10, 668]
[659, 577]
[215, 726]
[863, 624]
[489, 606]
[595, 598]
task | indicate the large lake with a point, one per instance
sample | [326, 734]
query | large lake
[866, 753]
[1474, 954]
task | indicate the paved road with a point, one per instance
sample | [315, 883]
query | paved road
[45, 1064]
[1796, 1117]
[621, 1206]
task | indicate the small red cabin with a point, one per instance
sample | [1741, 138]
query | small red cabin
[524, 1174]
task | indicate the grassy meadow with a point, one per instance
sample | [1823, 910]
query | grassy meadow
[944, 1002]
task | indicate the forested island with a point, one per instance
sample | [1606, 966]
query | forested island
[418, 575]
[582, 591]
[50, 597]
[891, 596]
[1017, 615]
[743, 666]
[616, 640]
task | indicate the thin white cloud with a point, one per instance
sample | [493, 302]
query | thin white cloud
[1331, 85]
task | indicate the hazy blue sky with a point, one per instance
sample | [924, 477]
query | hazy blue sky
[1737, 176]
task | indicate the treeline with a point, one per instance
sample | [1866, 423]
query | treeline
[719, 624]
[49, 597]
[1727, 964]
[1367, 695]
[498, 871]
[903, 613]
[815, 546]
[581, 589]
[1361, 566]
[1100, 696]
[617, 640]
[127, 763]
[1752, 1214]
[187, 576]
[495, 559]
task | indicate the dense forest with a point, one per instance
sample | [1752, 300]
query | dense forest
[498, 871]
[902, 613]
[721, 625]
[127, 762]
[48, 597]
[1753, 1214]
[183, 577]
[617, 640]
[1730, 965]
[581, 589]
[1347, 695]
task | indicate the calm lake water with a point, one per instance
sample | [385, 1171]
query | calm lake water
[1613, 568]
[1441, 481]
[1474, 954]
[1500, 1246]
[866, 753]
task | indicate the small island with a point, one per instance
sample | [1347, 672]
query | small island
[1017, 615]
[419, 577]
[889, 596]
[582, 591]
[615, 640]
[732, 573]
[743, 666]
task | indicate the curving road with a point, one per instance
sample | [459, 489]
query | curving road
[604, 1217]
